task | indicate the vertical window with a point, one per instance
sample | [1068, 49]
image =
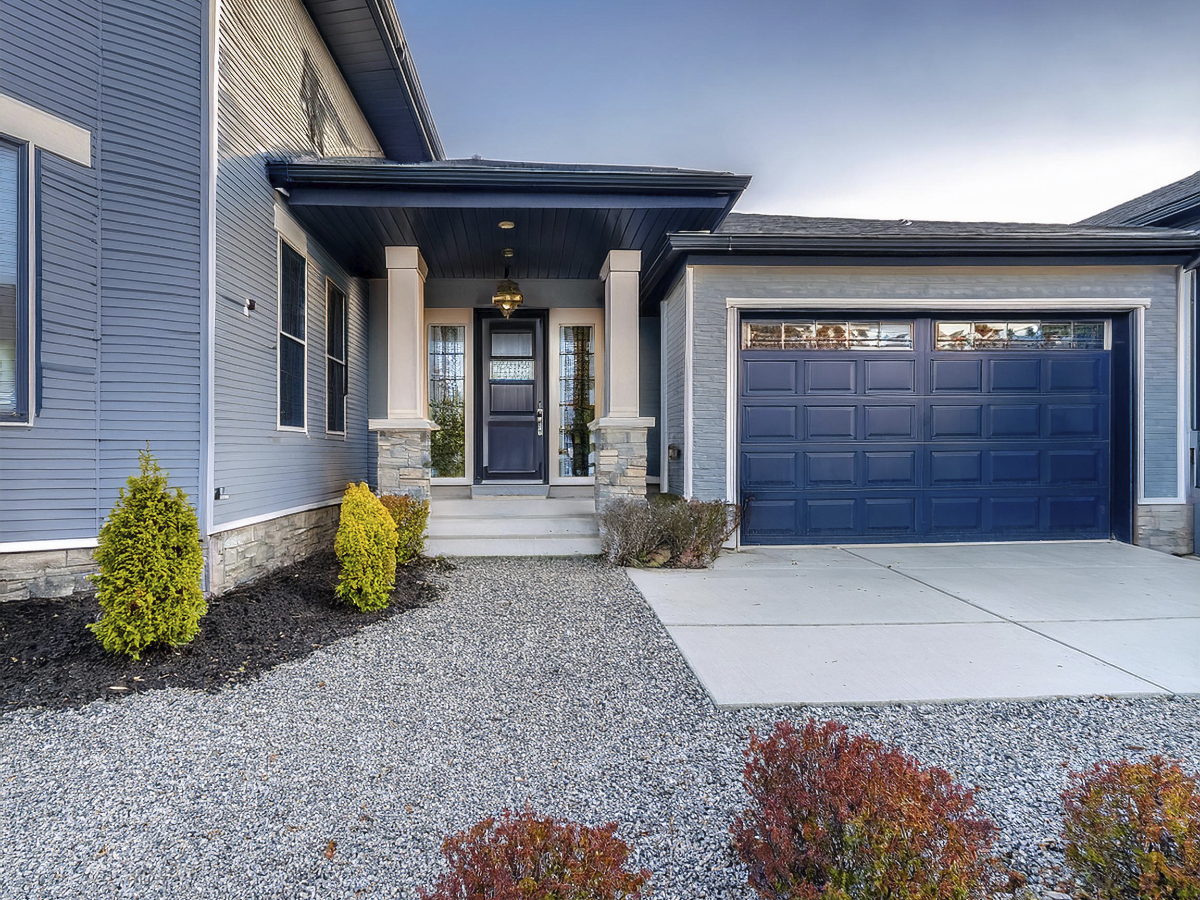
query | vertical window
[336, 386]
[292, 342]
[577, 400]
[14, 308]
[447, 400]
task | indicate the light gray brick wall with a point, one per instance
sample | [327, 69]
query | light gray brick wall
[712, 285]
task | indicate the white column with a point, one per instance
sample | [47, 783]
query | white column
[404, 323]
[621, 336]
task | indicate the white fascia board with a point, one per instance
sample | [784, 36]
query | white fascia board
[888, 303]
[46, 131]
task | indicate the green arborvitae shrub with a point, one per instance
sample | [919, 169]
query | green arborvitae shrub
[1132, 830]
[366, 550]
[411, 517]
[150, 566]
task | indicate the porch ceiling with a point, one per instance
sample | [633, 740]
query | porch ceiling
[567, 217]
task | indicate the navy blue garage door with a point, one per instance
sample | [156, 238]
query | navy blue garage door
[923, 429]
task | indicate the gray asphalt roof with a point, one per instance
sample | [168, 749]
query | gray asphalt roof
[751, 223]
[1161, 202]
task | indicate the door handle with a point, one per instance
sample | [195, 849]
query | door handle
[539, 419]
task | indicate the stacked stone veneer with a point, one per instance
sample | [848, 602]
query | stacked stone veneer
[242, 554]
[45, 573]
[403, 462]
[620, 464]
[1165, 526]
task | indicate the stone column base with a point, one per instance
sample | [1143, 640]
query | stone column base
[403, 461]
[620, 459]
[1166, 527]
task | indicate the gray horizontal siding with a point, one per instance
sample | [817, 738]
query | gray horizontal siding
[264, 48]
[674, 325]
[49, 58]
[650, 376]
[714, 284]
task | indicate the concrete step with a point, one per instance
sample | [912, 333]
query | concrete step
[511, 507]
[513, 526]
[500, 489]
[552, 545]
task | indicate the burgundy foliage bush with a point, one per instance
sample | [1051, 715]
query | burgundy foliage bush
[849, 818]
[526, 857]
[1132, 830]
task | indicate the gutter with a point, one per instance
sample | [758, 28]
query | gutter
[388, 23]
[287, 173]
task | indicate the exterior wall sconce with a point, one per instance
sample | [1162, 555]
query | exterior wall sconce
[508, 294]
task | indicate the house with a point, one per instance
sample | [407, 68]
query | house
[230, 231]
[1176, 205]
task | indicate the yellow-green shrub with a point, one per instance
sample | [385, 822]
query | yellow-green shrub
[411, 517]
[150, 566]
[366, 550]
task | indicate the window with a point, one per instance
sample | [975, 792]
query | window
[14, 298]
[293, 349]
[336, 386]
[576, 401]
[1020, 335]
[827, 335]
[447, 400]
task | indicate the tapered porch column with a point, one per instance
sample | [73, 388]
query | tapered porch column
[620, 431]
[403, 436]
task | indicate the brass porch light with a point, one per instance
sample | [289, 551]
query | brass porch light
[508, 294]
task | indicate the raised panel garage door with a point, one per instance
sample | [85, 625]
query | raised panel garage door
[942, 430]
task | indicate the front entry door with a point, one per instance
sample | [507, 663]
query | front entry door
[513, 402]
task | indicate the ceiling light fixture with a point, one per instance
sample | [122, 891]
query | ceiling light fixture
[508, 294]
[508, 225]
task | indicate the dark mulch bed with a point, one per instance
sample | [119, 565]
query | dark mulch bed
[49, 658]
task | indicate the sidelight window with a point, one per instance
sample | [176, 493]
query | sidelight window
[577, 400]
[447, 400]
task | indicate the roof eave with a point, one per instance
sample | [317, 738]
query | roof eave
[288, 173]
[1136, 243]
[388, 22]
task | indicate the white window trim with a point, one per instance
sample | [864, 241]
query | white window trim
[279, 426]
[28, 160]
[565, 318]
[461, 318]
[345, 361]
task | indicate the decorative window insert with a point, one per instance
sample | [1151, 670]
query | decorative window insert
[336, 382]
[14, 299]
[293, 345]
[447, 400]
[827, 335]
[576, 401]
[1025, 334]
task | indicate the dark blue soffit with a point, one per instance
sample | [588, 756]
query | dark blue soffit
[368, 44]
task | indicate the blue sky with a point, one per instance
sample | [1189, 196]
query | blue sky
[1007, 110]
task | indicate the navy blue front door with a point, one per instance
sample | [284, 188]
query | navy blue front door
[512, 408]
[841, 444]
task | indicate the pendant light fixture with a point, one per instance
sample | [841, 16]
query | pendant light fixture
[508, 294]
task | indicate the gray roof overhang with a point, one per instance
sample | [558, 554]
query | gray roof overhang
[568, 219]
[1132, 246]
[368, 44]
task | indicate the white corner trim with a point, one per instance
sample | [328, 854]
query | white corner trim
[41, 546]
[289, 229]
[1139, 368]
[941, 303]
[732, 451]
[689, 419]
[1183, 305]
[267, 517]
[663, 436]
[48, 132]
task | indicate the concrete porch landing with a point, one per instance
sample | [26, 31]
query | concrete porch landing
[513, 526]
[879, 624]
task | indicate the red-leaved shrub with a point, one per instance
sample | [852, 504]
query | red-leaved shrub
[1132, 830]
[835, 817]
[526, 857]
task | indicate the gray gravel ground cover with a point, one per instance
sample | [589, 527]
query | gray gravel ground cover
[541, 681]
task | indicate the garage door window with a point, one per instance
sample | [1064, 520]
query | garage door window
[827, 335]
[1020, 335]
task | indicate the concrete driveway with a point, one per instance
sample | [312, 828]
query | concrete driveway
[878, 624]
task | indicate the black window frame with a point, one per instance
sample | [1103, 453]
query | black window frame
[287, 339]
[20, 414]
[335, 413]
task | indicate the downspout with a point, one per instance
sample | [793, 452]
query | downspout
[208, 278]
